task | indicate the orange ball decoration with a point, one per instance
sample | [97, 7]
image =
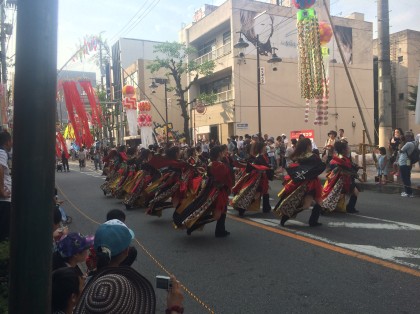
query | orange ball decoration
[147, 106]
[325, 33]
[129, 91]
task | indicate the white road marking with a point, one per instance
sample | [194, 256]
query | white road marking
[391, 221]
[376, 226]
[392, 254]
[276, 222]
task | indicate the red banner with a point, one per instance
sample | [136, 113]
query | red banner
[62, 144]
[306, 133]
[96, 115]
[80, 123]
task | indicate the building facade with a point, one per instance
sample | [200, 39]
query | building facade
[130, 60]
[234, 80]
[405, 67]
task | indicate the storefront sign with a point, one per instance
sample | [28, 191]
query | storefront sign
[242, 126]
[306, 133]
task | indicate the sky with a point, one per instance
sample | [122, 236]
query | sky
[161, 20]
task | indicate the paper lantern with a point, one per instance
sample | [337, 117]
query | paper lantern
[303, 4]
[325, 33]
[147, 106]
[129, 103]
[129, 91]
[140, 106]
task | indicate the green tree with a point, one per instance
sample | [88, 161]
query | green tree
[175, 62]
[412, 98]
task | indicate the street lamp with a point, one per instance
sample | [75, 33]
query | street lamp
[153, 87]
[241, 45]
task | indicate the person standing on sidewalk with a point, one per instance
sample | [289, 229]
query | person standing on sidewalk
[65, 161]
[405, 165]
[97, 159]
[82, 158]
[5, 185]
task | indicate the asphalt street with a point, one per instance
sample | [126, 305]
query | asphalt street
[355, 263]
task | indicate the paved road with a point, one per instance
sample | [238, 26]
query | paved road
[363, 263]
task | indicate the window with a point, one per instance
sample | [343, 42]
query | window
[207, 47]
[218, 86]
[226, 38]
[400, 59]
[401, 96]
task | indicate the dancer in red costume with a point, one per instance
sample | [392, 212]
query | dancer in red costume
[341, 180]
[302, 185]
[211, 202]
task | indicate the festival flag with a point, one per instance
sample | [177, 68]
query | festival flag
[61, 144]
[75, 104]
[96, 116]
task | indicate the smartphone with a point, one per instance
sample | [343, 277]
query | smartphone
[163, 282]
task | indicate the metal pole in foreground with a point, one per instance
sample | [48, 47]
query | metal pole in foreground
[258, 86]
[356, 98]
[384, 75]
[33, 156]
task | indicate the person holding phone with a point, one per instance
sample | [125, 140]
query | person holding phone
[121, 289]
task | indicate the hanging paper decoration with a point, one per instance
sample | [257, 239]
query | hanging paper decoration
[312, 77]
[90, 44]
[325, 35]
[61, 145]
[69, 132]
[130, 106]
[303, 4]
[80, 122]
[145, 123]
[94, 106]
[130, 101]
[129, 91]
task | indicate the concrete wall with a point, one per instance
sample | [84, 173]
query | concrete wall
[405, 45]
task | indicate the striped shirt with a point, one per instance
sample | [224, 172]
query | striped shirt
[7, 178]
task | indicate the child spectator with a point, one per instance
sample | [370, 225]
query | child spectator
[132, 252]
[71, 250]
[382, 166]
[67, 286]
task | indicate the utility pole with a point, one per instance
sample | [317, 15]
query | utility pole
[3, 56]
[384, 75]
[34, 136]
[258, 86]
[3, 44]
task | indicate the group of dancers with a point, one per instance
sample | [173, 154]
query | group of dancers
[198, 185]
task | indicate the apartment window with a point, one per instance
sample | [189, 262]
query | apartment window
[401, 96]
[218, 86]
[226, 38]
[207, 47]
[400, 59]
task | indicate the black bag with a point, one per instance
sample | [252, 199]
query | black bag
[415, 155]
[306, 170]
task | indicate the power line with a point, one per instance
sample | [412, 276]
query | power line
[128, 23]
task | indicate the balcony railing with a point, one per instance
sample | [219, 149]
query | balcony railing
[215, 54]
[222, 97]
